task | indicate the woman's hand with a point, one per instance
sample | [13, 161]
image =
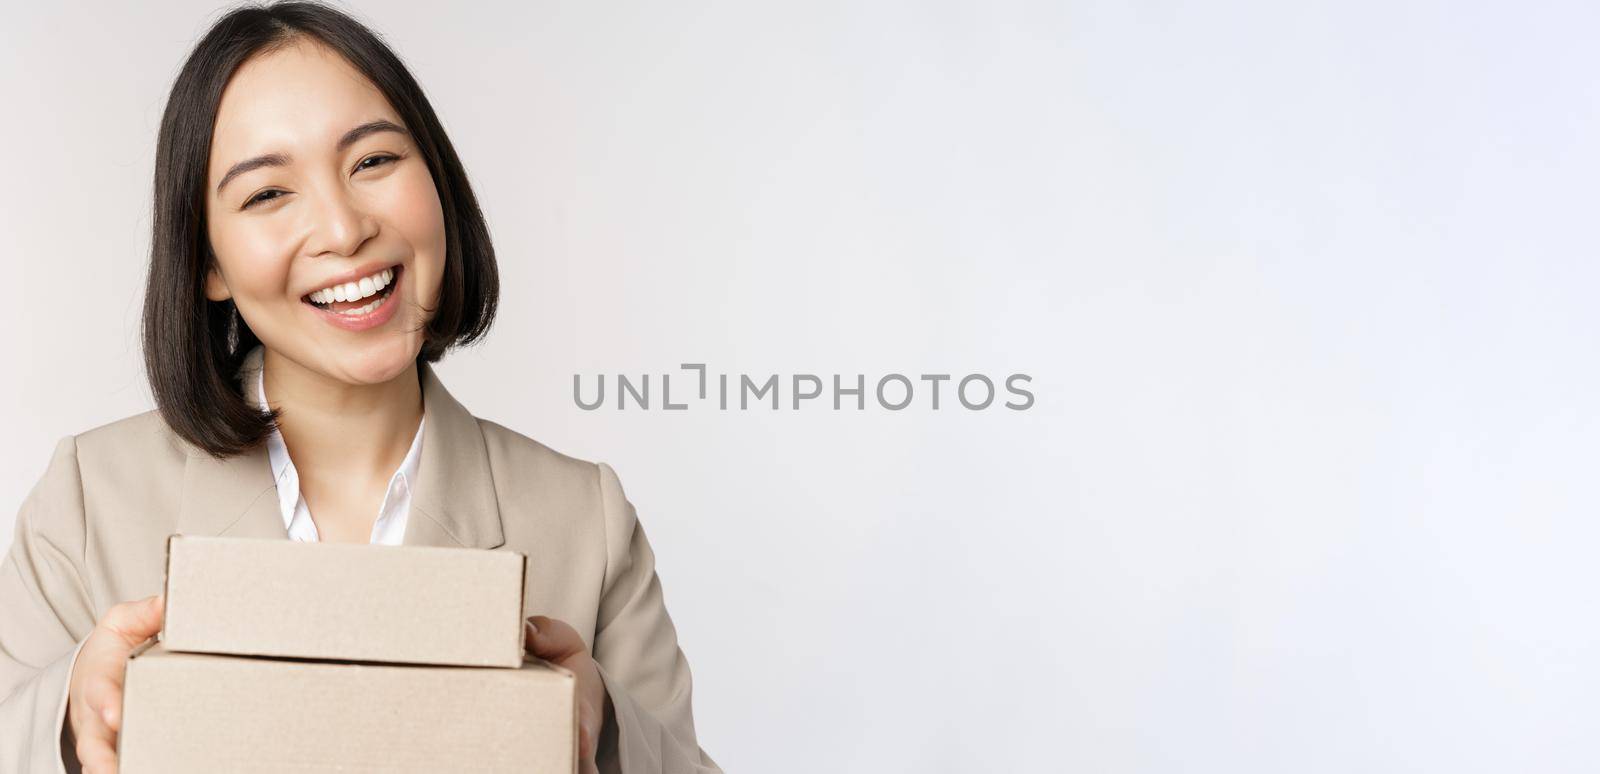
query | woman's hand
[557, 642]
[94, 691]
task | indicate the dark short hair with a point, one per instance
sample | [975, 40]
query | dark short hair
[193, 347]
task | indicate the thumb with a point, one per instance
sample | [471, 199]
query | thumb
[551, 639]
[135, 622]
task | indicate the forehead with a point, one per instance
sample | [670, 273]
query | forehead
[298, 99]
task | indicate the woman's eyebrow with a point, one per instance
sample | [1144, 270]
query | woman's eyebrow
[282, 159]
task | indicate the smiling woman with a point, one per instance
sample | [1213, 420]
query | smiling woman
[323, 148]
[316, 240]
[318, 185]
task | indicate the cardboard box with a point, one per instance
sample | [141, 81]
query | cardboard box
[396, 604]
[186, 712]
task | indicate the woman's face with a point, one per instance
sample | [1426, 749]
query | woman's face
[323, 216]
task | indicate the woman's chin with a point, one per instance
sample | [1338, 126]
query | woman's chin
[376, 363]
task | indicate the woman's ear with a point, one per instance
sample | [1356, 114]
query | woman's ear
[216, 287]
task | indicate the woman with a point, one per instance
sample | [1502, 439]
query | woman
[317, 246]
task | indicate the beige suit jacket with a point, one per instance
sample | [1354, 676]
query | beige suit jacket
[93, 532]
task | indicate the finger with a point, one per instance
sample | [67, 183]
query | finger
[94, 743]
[135, 622]
[87, 724]
[587, 731]
[104, 699]
[589, 767]
[96, 750]
[553, 639]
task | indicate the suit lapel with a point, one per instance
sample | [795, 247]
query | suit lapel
[235, 496]
[453, 504]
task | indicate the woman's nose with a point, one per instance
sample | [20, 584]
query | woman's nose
[340, 225]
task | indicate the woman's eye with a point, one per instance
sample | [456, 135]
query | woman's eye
[381, 160]
[261, 197]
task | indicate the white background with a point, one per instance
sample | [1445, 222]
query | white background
[1306, 289]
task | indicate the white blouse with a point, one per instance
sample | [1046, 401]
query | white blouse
[388, 530]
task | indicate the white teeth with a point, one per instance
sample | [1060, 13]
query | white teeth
[352, 291]
[363, 310]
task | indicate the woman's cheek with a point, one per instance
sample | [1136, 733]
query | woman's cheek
[421, 219]
[256, 273]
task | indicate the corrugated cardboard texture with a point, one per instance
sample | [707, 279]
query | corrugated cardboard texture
[398, 604]
[187, 712]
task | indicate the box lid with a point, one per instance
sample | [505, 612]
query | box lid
[398, 604]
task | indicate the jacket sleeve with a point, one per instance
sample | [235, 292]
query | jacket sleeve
[636, 650]
[45, 613]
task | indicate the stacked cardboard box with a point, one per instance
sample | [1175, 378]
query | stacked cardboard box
[281, 656]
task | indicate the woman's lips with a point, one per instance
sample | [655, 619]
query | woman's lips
[372, 318]
[354, 289]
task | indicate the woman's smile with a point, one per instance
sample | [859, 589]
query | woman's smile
[360, 300]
